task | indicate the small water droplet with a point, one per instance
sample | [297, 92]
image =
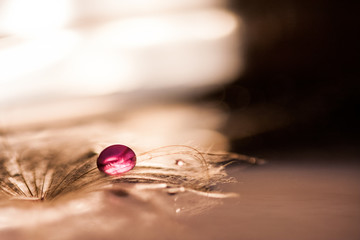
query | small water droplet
[179, 162]
[177, 210]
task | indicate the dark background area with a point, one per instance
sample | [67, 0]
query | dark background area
[301, 59]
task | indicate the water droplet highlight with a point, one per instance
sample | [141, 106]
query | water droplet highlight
[179, 162]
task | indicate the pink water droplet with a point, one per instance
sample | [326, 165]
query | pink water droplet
[116, 159]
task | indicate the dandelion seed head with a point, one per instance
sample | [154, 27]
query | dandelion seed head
[53, 173]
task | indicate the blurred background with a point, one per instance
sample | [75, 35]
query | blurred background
[65, 60]
[284, 73]
[301, 72]
[273, 79]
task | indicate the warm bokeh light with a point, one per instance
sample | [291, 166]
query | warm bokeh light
[155, 52]
[108, 9]
[56, 53]
[21, 57]
[190, 26]
[35, 16]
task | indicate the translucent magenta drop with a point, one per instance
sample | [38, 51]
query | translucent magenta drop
[116, 159]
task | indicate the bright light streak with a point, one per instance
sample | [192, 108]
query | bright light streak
[34, 54]
[19, 58]
[110, 9]
[146, 31]
[35, 16]
[187, 49]
[94, 72]
[186, 44]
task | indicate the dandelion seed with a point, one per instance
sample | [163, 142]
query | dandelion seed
[42, 171]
